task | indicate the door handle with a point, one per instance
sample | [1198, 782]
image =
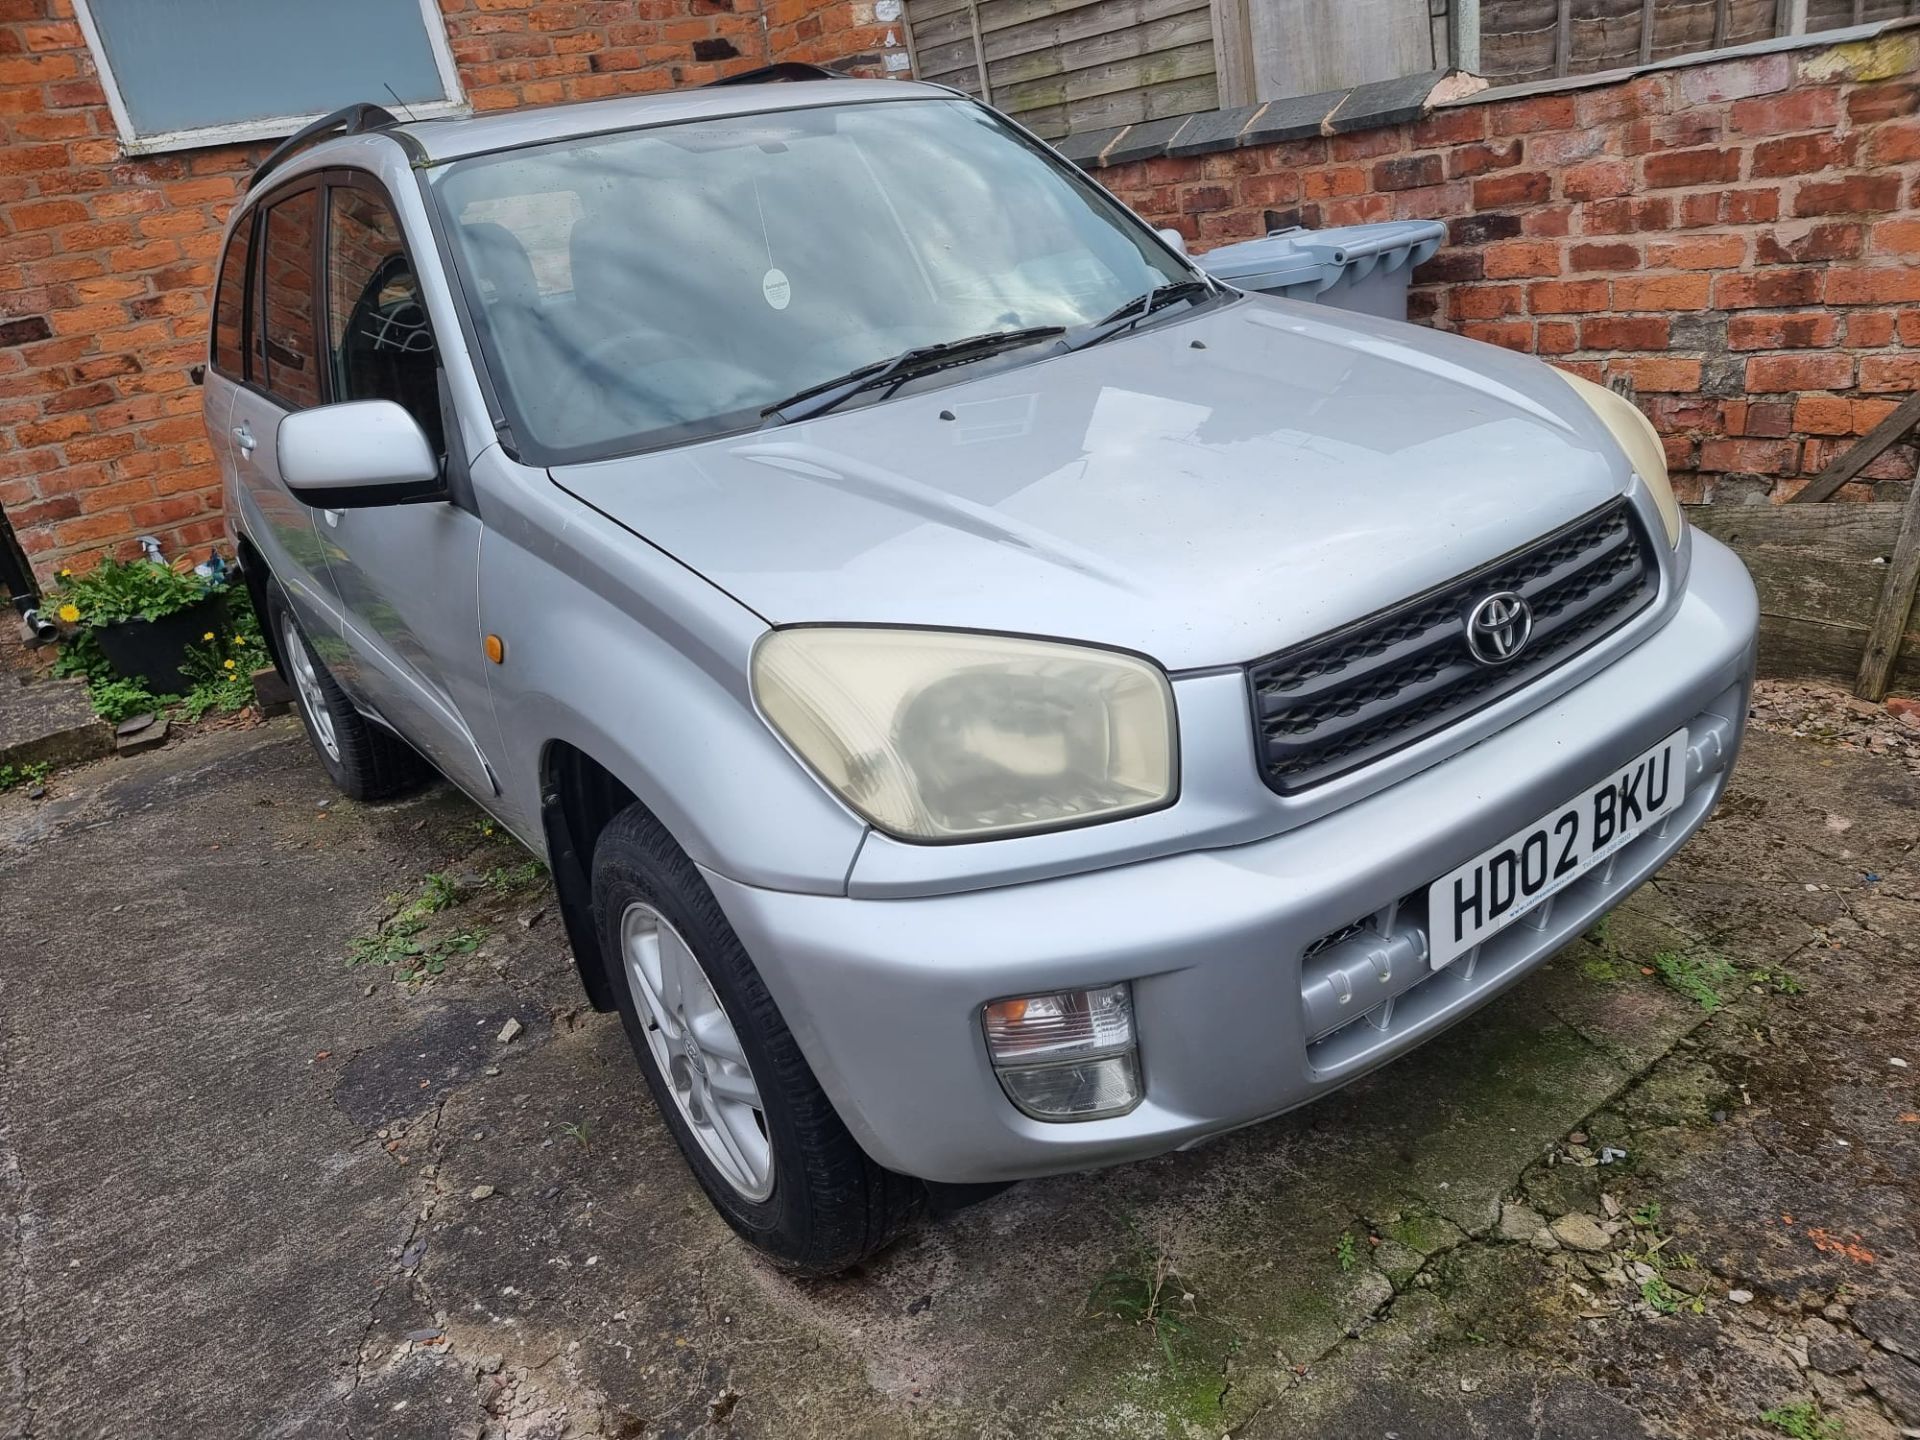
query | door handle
[243, 437]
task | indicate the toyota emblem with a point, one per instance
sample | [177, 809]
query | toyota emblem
[1498, 628]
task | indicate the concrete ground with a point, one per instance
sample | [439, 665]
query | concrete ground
[268, 1169]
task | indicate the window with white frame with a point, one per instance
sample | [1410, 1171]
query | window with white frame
[180, 73]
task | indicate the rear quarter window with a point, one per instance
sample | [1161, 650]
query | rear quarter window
[230, 303]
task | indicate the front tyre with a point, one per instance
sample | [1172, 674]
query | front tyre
[757, 1130]
[365, 761]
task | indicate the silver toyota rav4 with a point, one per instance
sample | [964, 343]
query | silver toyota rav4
[994, 701]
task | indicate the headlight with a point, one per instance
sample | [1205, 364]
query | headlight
[940, 735]
[1641, 442]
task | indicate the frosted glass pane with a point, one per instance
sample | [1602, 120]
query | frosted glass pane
[184, 64]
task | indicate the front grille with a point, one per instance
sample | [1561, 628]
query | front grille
[1346, 699]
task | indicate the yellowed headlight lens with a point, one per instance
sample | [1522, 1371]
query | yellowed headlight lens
[1640, 440]
[942, 735]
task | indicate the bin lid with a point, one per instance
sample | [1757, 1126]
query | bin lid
[1298, 256]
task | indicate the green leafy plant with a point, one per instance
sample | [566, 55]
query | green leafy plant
[117, 590]
[401, 940]
[1650, 1250]
[431, 958]
[31, 773]
[1803, 1420]
[439, 891]
[578, 1134]
[1775, 981]
[1346, 1253]
[117, 700]
[510, 879]
[217, 672]
[1668, 1301]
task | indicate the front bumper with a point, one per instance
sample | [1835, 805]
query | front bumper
[884, 996]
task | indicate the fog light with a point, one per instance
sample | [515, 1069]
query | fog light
[1069, 1055]
[1084, 1090]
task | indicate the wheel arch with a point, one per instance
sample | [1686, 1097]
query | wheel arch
[256, 576]
[579, 796]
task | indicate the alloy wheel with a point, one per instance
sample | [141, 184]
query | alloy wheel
[313, 699]
[697, 1050]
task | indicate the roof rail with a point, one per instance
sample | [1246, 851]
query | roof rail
[786, 71]
[348, 120]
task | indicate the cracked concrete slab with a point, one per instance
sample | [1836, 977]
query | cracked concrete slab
[249, 1189]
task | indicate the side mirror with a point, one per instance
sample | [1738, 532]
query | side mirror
[1173, 238]
[363, 452]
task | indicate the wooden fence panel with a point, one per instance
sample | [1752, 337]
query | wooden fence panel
[1061, 66]
[1819, 570]
[1305, 47]
[1534, 39]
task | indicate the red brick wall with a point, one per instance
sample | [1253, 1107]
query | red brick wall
[1738, 238]
[841, 33]
[106, 261]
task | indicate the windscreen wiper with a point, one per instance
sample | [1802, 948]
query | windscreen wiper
[818, 399]
[1141, 306]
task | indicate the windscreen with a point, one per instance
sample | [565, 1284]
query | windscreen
[645, 288]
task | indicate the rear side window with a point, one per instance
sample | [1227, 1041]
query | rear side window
[230, 303]
[379, 344]
[285, 348]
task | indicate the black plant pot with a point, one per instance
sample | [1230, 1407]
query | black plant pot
[152, 651]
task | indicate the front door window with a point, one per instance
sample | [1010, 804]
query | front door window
[379, 342]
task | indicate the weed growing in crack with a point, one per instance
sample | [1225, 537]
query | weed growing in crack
[1771, 980]
[400, 941]
[1146, 1299]
[1698, 977]
[439, 891]
[1346, 1253]
[511, 879]
[1653, 1265]
[1661, 1295]
[1803, 1420]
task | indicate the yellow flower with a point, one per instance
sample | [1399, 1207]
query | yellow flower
[207, 636]
[66, 574]
[69, 612]
[229, 664]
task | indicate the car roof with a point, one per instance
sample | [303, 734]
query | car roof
[453, 138]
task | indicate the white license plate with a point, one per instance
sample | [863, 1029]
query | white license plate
[1498, 886]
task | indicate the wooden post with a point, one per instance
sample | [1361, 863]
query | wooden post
[1889, 625]
[1464, 15]
[979, 51]
[1876, 442]
[1233, 72]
